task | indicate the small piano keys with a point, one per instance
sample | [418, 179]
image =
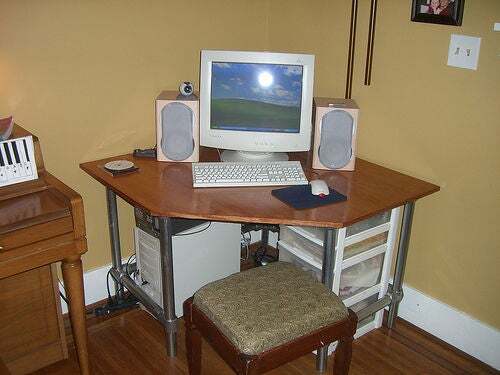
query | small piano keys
[17, 161]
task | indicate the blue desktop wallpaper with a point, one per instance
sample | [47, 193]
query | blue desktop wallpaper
[256, 97]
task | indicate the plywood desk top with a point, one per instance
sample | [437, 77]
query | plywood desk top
[165, 189]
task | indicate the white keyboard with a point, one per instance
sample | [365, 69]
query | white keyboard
[17, 161]
[262, 173]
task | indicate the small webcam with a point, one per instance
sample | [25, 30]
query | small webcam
[186, 88]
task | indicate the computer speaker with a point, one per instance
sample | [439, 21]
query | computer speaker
[335, 127]
[177, 127]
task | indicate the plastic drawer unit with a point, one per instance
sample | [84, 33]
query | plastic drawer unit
[362, 260]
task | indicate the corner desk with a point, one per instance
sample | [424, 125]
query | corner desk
[165, 190]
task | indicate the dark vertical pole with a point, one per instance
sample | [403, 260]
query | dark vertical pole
[371, 41]
[264, 242]
[352, 45]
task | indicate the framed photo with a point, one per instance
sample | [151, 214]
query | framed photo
[446, 12]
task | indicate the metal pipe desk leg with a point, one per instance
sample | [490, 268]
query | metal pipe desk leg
[265, 238]
[114, 236]
[167, 279]
[404, 240]
[328, 257]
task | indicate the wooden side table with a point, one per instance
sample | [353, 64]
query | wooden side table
[42, 223]
[42, 228]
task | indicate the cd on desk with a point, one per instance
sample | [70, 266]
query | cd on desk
[120, 166]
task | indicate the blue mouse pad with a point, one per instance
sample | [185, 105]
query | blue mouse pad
[300, 197]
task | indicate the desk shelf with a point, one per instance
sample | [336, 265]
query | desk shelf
[362, 260]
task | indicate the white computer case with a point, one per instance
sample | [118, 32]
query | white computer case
[199, 258]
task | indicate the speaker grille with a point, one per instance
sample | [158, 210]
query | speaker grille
[335, 148]
[177, 141]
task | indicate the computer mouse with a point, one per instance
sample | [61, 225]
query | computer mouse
[319, 187]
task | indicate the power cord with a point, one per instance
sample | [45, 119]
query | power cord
[245, 244]
[114, 304]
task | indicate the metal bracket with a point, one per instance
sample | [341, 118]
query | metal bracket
[396, 296]
[170, 325]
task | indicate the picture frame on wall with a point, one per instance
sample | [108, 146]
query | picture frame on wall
[446, 12]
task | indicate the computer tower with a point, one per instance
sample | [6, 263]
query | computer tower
[202, 252]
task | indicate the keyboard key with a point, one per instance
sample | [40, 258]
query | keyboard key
[15, 164]
[7, 153]
[16, 153]
[26, 150]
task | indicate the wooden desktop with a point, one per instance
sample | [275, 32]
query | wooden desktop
[165, 190]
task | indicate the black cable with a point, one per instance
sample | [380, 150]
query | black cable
[195, 232]
[128, 263]
[110, 299]
[113, 304]
[60, 293]
[64, 298]
[261, 256]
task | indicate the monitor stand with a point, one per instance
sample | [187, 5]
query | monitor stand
[249, 156]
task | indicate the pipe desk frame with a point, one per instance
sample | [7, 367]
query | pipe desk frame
[371, 189]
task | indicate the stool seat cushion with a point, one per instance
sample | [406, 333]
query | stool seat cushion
[268, 306]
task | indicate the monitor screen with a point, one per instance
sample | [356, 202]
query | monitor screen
[256, 97]
[256, 102]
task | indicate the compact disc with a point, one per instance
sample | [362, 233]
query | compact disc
[119, 165]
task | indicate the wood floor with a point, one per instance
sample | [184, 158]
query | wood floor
[133, 342]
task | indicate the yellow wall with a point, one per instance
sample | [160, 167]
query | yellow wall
[83, 75]
[426, 119]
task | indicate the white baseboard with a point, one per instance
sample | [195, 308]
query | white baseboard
[95, 286]
[451, 325]
[433, 316]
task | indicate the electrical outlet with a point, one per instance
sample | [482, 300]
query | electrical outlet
[464, 51]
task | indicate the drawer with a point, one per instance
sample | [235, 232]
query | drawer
[353, 279]
[316, 251]
[365, 245]
[296, 241]
[287, 254]
[371, 222]
[317, 235]
[33, 217]
[361, 276]
[35, 233]
[365, 322]
[363, 303]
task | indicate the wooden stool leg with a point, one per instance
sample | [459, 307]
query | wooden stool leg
[342, 356]
[343, 352]
[193, 341]
[251, 368]
[73, 283]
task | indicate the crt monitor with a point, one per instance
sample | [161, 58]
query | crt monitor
[256, 105]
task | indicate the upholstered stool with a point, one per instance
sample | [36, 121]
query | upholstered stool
[259, 319]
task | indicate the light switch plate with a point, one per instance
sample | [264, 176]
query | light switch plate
[464, 51]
